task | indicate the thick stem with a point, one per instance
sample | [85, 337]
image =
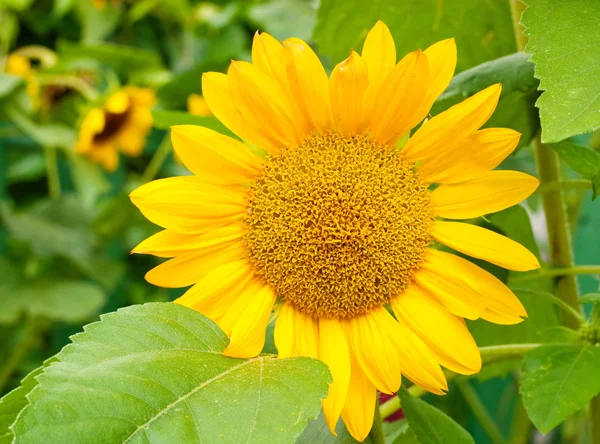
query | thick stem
[52, 172]
[595, 420]
[574, 184]
[480, 412]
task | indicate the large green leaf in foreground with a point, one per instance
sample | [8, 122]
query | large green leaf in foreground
[483, 30]
[155, 373]
[564, 40]
[557, 381]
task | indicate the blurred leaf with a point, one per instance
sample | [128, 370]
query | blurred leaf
[285, 18]
[9, 29]
[430, 425]
[567, 62]
[165, 119]
[590, 298]
[89, 179]
[583, 160]
[96, 24]
[121, 58]
[317, 432]
[9, 83]
[557, 381]
[61, 7]
[519, 91]
[13, 402]
[30, 166]
[155, 372]
[416, 24]
[19, 5]
[52, 227]
[58, 300]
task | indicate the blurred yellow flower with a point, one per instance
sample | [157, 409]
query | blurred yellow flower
[197, 106]
[19, 65]
[120, 125]
[338, 222]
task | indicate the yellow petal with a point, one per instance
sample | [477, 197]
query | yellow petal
[261, 102]
[347, 86]
[250, 315]
[484, 244]
[186, 270]
[369, 339]
[333, 351]
[188, 205]
[480, 152]
[398, 105]
[213, 157]
[359, 409]
[216, 291]
[417, 362]
[442, 280]
[306, 330]
[441, 58]
[168, 243]
[500, 301]
[379, 55]
[447, 336]
[309, 84]
[92, 124]
[284, 333]
[492, 191]
[448, 129]
[216, 92]
[118, 103]
[197, 106]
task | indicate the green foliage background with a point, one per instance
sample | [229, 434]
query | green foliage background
[67, 227]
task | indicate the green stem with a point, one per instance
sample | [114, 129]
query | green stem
[595, 420]
[18, 352]
[489, 355]
[578, 184]
[551, 272]
[376, 433]
[479, 411]
[157, 161]
[52, 172]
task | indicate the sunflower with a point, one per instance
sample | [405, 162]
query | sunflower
[329, 213]
[120, 125]
[19, 65]
[197, 106]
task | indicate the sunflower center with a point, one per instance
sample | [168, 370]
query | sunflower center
[338, 225]
[113, 122]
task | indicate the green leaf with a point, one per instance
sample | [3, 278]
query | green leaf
[13, 402]
[8, 84]
[155, 373]
[567, 62]
[19, 5]
[285, 18]
[398, 432]
[557, 381]
[96, 24]
[519, 91]
[590, 298]
[342, 25]
[122, 59]
[430, 425]
[317, 432]
[165, 119]
[582, 159]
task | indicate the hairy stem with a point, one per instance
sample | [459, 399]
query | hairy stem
[480, 412]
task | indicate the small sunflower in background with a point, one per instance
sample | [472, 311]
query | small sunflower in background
[21, 66]
[337, 221]
[120, 125]
[196, 105]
